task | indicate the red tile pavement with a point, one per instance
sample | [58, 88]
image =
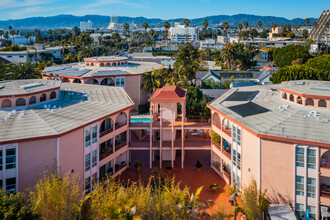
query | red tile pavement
[188, 176]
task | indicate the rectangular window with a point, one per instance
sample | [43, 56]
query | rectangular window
[238, 182]
[238, 161]
[234, 157]
[10, 158]
[300, 156]
[94, 134]
[1, 184]
[87, 162]
[311, 187]
[234, 134]
[87, 137]
[94, 158]
[238, 136]
[1, 160]
[300, 185]
[234, 177]
[120, 81]
[311, 158]
[11, 185]
[300, 211]
[94, 180]
[312, 212]
[87, 185]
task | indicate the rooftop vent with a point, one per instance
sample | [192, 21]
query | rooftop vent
[299, 83]
[325, 88]
[31, 85]
[1, 87]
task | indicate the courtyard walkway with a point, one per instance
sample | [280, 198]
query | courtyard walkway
[188, 176]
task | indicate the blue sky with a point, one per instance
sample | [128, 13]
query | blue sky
[15, 9]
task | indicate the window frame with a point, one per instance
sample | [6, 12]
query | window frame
[94, 158]
[87, 137]
[13, 163]
[87, 162]
[300, 192]
[94, 134]
[300, 163]
[310, 193]
[310, 158]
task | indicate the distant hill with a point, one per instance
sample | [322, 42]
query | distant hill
[69, 21]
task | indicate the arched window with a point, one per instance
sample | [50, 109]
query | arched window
[299, 100]
[33, 100]
[291, 98]
[309, 102]
[121, 120]
[107, 82]
[65, 80]
[114, 64]
[92, 64]
[87, 64]
[43, 97]
[20, 102]
[92, 81]
[76, 81]
[216, 120]
[6, 103]
[52, 95]
[106, 127]
[108, 64]
[102, 64]
[284, 95]
[322, 103]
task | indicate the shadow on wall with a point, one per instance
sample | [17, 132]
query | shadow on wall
[275, 197]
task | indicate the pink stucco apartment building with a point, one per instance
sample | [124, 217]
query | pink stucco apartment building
[107, 71]
[278, 135]
[47, 125]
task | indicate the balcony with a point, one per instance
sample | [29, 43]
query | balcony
[226, 130]
[105, 132]
[120, 166]
[227, 175]
[120, 145]
[106, 153]
[325, 165]
[216, 124]
[226, 149]
[325, 194]
[215, 143]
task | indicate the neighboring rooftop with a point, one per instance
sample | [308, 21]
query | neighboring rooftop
[281, 212]
[24, 87]
[200, 75]
[307, 87]
[81, 70]
[168, 94]
[265, 112]
[105, 59]
[76, 106]
[213, 93]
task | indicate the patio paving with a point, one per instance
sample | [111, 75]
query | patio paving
[188, 176]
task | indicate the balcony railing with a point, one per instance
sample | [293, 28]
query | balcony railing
[120, 166]
[216, 124]
[227, 174]
[105, 154]
[226, 130]
[226, 153]
[198, 118]
[121, 145]
[216, 144]
[105, 132]
[325, 193]
[325, 164]
[117, 126]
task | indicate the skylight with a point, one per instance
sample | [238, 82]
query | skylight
[326, 88]
[31, 85]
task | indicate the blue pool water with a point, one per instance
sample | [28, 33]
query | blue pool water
[140, 120]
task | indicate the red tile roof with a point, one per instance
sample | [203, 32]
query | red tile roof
[168, 94]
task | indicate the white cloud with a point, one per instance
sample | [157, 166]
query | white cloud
[21, 3]
[101, 3]
[32, 11]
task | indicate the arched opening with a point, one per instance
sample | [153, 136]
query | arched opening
[6, 103]
[299, 100]
[121, 120]
[92, 64]
[92, 81]
[43, 97]
[65, 80]
[226, 126]
[102, 64]
[107, 82]
[52, 95]
[216, 120]
[108, 64]
[322, 103]
[33, 100]
[87, 64]
[106, 127]
[284, 95]
[20, 102]
[291, 98]
[76, 81]
[309, 102]
[114, 64]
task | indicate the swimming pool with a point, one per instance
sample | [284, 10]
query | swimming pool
[140, 120]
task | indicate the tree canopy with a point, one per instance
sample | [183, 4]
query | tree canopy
[285, 55]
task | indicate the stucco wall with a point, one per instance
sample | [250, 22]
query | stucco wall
[132, 87]
[34, 157]
[277, 169]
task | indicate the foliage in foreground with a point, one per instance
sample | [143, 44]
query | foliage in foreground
[284, 56]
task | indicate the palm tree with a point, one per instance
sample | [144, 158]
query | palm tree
[273, 26]
[246, 24]
[186, 23]
[227, 54]
[259, 23]
[1, 33]
[126, 27]
[205, 24]
[315, 24]
[12, 34]
[27, 36]
[307, 21]
[176, 77]
[152, 80]
[240, 26]
[75, 30]
[22, 71]
[145, 26]
[225, 26]
[167, 27]
[10, 28]
[3, 71]
[6, 35]
[296, 27]
[50, 33]
[62, 33]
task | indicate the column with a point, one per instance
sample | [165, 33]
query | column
[172, 146]
[182, 133]
[150, 151]
[161, 137]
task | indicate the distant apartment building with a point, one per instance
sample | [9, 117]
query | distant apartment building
[211, 44]
[182, 33]
[320, 33]
[32, 54]
[279, 136]
[86, 26]
[107, 71]
[46, 125]
[271, 43]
